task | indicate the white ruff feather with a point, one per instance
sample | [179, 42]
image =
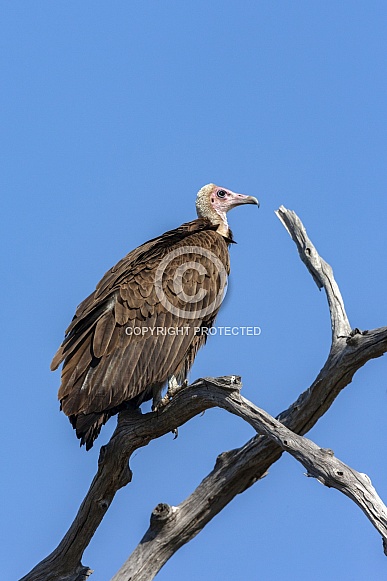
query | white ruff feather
[205, 209]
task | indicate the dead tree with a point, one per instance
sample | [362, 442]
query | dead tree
[234, 471]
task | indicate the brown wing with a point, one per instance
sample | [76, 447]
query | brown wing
[123, 339]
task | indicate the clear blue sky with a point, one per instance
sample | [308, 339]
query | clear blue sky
[113, 115]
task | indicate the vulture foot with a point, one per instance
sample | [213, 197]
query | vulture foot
[173, 389]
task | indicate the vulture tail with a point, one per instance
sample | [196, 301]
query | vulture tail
[88, 426]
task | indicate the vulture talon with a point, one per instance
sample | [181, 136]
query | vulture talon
[161, 403]
[173, 389]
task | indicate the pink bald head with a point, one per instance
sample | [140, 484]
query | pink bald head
[223, 200]
[213, 202]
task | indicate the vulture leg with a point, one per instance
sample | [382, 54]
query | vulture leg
[173, 389]
[156, 399]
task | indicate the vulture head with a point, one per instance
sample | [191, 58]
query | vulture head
[213, 203]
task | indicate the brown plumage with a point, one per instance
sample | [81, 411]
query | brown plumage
[112, 358]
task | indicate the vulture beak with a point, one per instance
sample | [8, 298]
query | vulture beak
[240, 199]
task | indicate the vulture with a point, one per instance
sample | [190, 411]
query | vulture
[148, 316]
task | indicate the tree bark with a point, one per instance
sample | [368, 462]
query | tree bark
[172, 526]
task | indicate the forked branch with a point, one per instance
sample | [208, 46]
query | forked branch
[235, 470]
[171, 526]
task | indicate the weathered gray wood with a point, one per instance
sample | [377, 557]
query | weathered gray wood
[172, 526]
[320, 270]
[236, 470]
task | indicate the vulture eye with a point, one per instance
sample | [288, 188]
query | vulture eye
[221, 194]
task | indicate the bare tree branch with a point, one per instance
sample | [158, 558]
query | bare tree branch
[320, 270]
[235, 470]
[171, 526]
[133, 431]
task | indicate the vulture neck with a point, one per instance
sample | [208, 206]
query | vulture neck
[218, 219]
[223, 228]
[215, 216]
